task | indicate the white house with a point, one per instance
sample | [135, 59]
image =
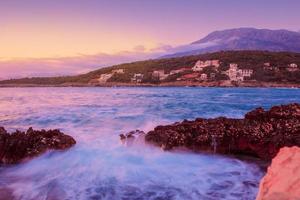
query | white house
[271, 68]
[137, 78]
[267, 66]
[239, 77]
[232, 72]
[104, 77]
[292, 67]
[200, 65]
[160, 74]
[118, 71]
[203, 77]
[212, 75]
[246, 72]
[236, 74]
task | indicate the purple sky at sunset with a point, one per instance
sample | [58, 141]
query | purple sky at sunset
[74, 36]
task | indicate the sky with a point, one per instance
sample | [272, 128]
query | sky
[39, 37]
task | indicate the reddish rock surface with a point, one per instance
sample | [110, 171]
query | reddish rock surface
[18, 146]
[260, 134]
[282, 181]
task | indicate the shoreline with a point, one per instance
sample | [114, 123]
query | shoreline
[223, 84]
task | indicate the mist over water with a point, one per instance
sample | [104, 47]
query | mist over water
[101, 167]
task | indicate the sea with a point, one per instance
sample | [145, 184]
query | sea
[100, 166]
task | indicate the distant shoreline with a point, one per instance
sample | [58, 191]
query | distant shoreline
[250, 84]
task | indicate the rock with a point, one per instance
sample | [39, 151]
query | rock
[282, 181]
[133, 136]
[290, 111]
[18, 146]
[260, 134]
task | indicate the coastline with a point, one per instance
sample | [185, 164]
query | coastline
[226, 84]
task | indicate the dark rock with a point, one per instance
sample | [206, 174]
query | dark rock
[133, 136]
[17, 146]
[290, 111]
[260, 134]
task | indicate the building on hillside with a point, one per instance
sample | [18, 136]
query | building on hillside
[118, 71]
[232, 71]
[246, 72]
[236, 74]
[137, 78]
[104, 77]
[177, 71]
[271, 68]
[267, 64]
[292, 67]
[200, 65]
[239, 77]
[159, 74]
[212, 76]
[188, 77]
[203, 77]
[233, 66]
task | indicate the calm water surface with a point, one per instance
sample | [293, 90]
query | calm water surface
[100, 167]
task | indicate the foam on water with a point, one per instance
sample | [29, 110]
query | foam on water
[100, 167]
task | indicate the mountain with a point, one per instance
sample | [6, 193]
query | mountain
[244, 39]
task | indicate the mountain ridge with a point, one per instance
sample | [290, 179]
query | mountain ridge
[237, 39]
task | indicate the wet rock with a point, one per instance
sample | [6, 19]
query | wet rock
[260, 134]
[18, 146]
[133, 136]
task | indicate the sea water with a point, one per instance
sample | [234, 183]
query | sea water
[99, 166]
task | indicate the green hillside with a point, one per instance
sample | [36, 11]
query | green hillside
[245, 59]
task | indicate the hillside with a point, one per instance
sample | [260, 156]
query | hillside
[244, 39]
[261, 66]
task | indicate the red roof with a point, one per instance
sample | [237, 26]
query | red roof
[190, 76]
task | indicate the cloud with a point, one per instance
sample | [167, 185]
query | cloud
[192, 47]
[32, 67]
[140, 48]
[163, 48]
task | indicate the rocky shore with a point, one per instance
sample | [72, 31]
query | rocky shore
[260, 134]
[19, 146]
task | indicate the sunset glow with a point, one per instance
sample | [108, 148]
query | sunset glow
[71, 28]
